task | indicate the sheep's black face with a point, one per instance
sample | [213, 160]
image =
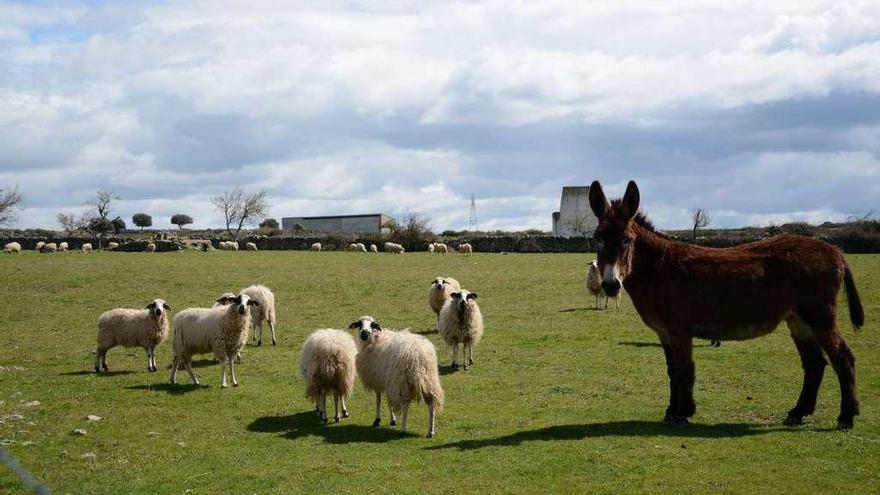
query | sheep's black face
[158, 307]
[366, 326]
[242, 301]
[462, 299]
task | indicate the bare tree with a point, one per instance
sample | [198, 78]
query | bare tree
[239, 208]
[9, 201]
[96, 219]
[701, 219]
[69, 223]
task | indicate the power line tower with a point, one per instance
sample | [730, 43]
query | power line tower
[473, 221]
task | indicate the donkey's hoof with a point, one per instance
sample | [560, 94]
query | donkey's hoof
[675, 421]
[793, 420]
[376, 422]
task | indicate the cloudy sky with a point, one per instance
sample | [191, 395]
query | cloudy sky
[758, 111]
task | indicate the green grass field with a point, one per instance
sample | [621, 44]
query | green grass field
[563, 399]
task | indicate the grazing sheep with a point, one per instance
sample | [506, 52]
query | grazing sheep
[440, 248]
[49, 248]
[431, 247]
[250, 246]
[12, 248]
[373, 248]
[594, 284]
[361, 247]
[441, 289]
[461, 322]
[39, 246]
[327, 363]
[151, 248]
[62, 247]
[145, 328]
[351, 247]
[112, 245]
[86, 247]
[393, 247]
[315, 247]
[466, 249]
[233, 245]
[264, 312]
[219, 330]
[400, 364]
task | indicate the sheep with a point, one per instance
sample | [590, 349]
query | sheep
[12, 248]
[145, 328]
[393, 247]
[440, 248]
[62, 247]
[466, 249]
[373, 248]
[49, 248]
[222, 245]
[361, 247]
[233, 245]
[264, 312]
[226, 299]
[315, 247]
[250, 246]
[400, 364]
[431, 247]
[112, 245]
[439, 292]
[219, 330]
[594, 284]
[39, 246]
[86, 247]
[151, 248]
[461, 322]
[327, 364]
[351, 247]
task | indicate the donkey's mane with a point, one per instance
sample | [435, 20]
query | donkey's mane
[641, 218]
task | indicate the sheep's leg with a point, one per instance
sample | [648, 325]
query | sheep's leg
[617, 301]
[149, 361]
[454, 356]
[393, 421]
[336, 406]
[104, 359]
[471, 354]
[378, 409]
[174, 364]
[323, 406]
[431, 414]
[192, 376]
[223, 364]
[153, 358]
[272, 330]
[98, 360]
[344, 409]
[258, 333]
[232, 371]
[404, 412]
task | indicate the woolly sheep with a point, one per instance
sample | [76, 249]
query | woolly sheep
[440, 248]
[393, 247]
[62, 247]
[431, 247]
[12, 248]
[594, 284]
[361, 247]
[226, 299]
[327, 364]
[440, 290]
[250, 246]
[233, 245]
[315, 247]
[400, 364]
[145, 328]
[461, 322]
[39, 246]
[86, 248]
[49, 248]
[112, 245]
[264, 312]
[351, 247]
[373, 248]
[466, 249]
[151, 248]
[219, 330]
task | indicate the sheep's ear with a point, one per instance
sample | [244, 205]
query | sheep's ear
[223, 299]
[150, 306]
[375, 325]
[355, 324]
[472, 295]
[166, 306]
[455, 295]
[252, 302]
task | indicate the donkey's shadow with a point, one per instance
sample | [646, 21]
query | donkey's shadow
[307, 424]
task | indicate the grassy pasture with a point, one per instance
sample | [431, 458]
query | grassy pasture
[563, 399]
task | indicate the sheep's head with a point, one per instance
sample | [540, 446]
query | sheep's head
[438, 283]
[240, 302]
[464, 299]
[365, 326]
[158, 307]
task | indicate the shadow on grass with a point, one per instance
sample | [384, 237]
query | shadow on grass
[92, 372]
[307, 424]
[426, 332]
[641, 344]
[615, 429]
[179, 389]
[571, 310]
[198, 363]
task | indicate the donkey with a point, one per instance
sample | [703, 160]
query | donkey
[683, 291]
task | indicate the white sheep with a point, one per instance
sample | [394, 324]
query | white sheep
[441, 289]
[145, 328]
[465, 249]
[250, 246]
[39, 246]
[594, 284]
[351, 247]
[151, 248]
[373, 248]
[12, 248]
[226, 299]
[400, 364]
[440, 248]
[110, 245]
[361, 247]
[315, 247]
[264, 312]
[393, 247]
[219, 330]
[233, 245]
[86, 247]
[62, 247]
[49, 248]
[327, 364]
[461, 322]
[431, 247]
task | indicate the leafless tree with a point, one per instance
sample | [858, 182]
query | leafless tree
[10, 198]
[69, 223]
[239, 208]
[701, 219]
[101, 204]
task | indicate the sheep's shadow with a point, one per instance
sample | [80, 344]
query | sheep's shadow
[431, 331]
[103, 374]
[199, 363]
[307, 424]
[571, 310]
[616, 429]
[168, 388]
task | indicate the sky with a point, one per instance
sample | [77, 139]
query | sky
[760, 112]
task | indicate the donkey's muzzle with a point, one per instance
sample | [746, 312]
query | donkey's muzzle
[612, 288]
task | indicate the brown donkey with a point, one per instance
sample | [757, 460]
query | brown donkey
[683, 291]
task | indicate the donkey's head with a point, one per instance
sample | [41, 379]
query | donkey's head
[615, 234]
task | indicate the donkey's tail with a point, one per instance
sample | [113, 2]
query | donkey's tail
[856, 312]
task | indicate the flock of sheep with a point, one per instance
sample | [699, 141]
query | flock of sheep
[50, 247]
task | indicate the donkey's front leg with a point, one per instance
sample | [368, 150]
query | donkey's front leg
[682, 374]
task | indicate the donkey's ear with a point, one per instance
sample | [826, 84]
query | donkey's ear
[598, 201]
[355, 324]
[631, 199]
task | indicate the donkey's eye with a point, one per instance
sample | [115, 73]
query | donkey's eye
[626, 242]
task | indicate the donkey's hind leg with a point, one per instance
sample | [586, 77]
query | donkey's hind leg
[813, 363]
[842, 360]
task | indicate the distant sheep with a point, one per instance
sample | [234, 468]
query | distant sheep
[145, 328]
[361, 247]
[250, 246]
[327, 364]
[49, 248]
[39, 246]
[441, 289]
[151, 248]
[219, 330]
[373, 248]
[86, 247]
[264, 312]
[234, 245]
[431, 247]
[351, 247]
[466, 249]
[393, 247]
[62, 247]
[461, 322]
[12, 248]
[112, 245]
[440, 248]
[400, 364]
[315, 247]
